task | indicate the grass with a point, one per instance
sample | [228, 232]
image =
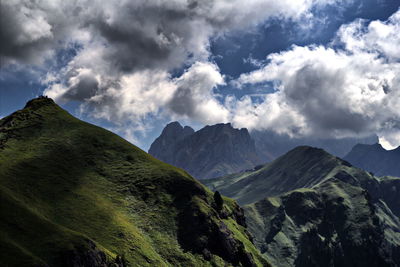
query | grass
[64, 182]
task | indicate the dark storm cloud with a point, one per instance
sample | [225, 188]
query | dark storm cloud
[17, 40]
[120, 39]
[312, 91]
[83, 86]
[138, 34]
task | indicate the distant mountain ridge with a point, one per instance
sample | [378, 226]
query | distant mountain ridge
[210, 152]
[271, 145]
[310, 208]
[376, 159]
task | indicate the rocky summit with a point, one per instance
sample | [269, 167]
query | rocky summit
[210, 152]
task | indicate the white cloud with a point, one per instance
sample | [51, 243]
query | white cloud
[194, 97]
[136, 96]
[128, 50]
[378, 37]
[332, 91]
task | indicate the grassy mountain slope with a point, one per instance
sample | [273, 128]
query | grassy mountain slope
[73, 194]
[299, 168]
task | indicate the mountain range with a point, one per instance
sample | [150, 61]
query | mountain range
[210, 152]
[271, 145]
[220, 149]
[310, 208]
[74, 194]
[376, 159]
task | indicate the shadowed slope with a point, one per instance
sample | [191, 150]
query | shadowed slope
[332, 224]
[309, 208]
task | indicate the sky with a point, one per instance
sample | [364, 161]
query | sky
[314, 68]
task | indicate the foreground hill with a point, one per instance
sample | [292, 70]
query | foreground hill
[73, 194]
[210, 152]
[309, 208]
[376, 159]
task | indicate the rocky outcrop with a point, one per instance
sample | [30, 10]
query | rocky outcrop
[201, 233]
[90, 256]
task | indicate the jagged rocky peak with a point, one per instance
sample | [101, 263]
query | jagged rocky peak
[175, 129]
[171, 134]
[225, 128]
[212, 151]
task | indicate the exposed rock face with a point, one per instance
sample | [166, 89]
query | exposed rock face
[210, 152]
[165, 145]
[376, 159]
[89, 256]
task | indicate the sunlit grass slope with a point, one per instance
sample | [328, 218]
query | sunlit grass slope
[73, 193]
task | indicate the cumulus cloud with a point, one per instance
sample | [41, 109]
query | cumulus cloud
[126, 51]
[350, 87]
[194, 97]
[137, 34]
[141, 93]
[33, 29]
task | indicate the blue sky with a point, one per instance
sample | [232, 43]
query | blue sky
[134, 68]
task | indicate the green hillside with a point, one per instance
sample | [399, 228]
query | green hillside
[309, 208]
[73, 194]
